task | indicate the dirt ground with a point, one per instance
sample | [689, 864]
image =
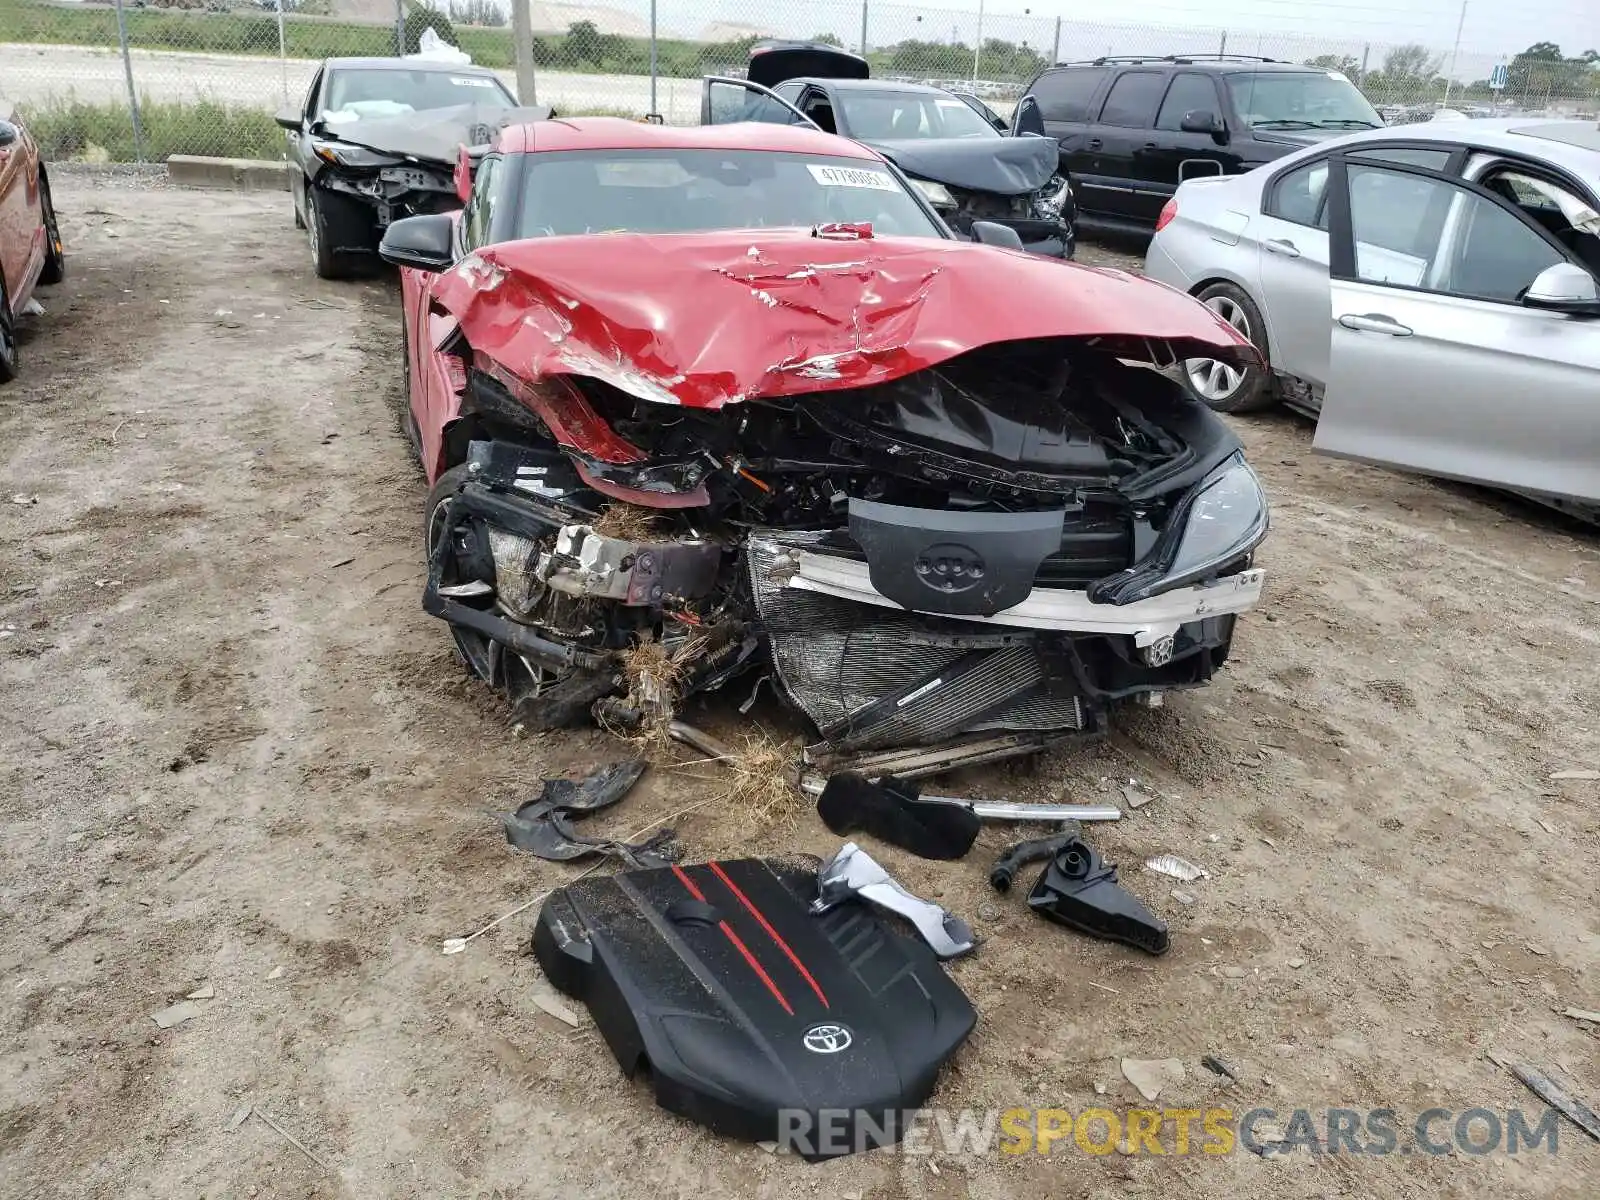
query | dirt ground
[236, 755]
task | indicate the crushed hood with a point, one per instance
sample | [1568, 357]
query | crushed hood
[436, 134]
[711, 319]
[1007, 166]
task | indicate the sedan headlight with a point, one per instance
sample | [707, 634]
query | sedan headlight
[936, 194]
[1053, 197]
[1224, 519]
[341, 154]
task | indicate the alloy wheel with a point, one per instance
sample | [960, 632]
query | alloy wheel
[1217, 380]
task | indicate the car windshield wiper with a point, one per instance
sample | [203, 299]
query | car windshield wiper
[1347, 123]
[1284, 124]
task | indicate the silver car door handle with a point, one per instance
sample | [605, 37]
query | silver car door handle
[1282, 246]
[1375, 323]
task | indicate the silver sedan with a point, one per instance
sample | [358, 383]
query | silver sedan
[1427, 292]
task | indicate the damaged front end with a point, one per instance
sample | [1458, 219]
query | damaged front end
[937, 566]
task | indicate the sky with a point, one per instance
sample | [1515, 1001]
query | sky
[1492, 31]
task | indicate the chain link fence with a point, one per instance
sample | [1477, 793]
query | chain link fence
[143, 79]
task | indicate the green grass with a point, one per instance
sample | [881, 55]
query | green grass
[315, 38]
[104, 132]
[70, 130]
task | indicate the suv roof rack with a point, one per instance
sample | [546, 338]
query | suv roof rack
[1108, 59]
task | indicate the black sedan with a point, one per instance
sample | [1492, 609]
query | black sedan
[378, 139]
[945, 143]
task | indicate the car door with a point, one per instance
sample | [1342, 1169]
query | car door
[1291, 236]
[300, 141]
[1116, 139]
[1435, 365]
[726, 101]
[1065, 96]
[16, 242]
[1000, 124]
[437, 378]
[1173, 154]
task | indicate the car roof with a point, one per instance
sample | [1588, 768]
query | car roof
[871, 85]
[618, 133]
[1574, 144]
[1202, 62]
[407, 64]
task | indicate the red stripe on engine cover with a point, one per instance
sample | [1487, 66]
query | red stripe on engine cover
[738, 943]
[716, 869]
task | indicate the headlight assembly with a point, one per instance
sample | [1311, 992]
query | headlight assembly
[341, 154]
[1052, 198]
[1224, 519]
[935, 194]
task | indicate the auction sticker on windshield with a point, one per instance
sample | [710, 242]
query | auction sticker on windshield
[855, 177]
[471, 81]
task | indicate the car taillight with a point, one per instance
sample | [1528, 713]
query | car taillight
[1168, 211]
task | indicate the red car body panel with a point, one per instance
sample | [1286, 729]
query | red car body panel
[707, 320]
[23, 240]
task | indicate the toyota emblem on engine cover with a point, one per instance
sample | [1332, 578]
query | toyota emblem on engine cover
[827, 1039]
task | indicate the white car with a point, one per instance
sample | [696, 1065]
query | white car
[1428, 292]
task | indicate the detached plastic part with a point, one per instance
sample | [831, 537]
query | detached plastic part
[1081, 892]
[1020, 854]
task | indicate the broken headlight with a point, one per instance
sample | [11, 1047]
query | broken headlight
[1220, 522]
[1050, 200]
[340, 154]
[935, 194]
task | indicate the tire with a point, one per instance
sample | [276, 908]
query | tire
[329, 220]
[55, 254]
[1218, 386]
[475, 649]
[8, 338]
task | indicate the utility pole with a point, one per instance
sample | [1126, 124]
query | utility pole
[1222, 45]
[654, 111]
[1057, 56]
[977, 51]
[399, 28]
[863, 28]
[522, 40]
[133, 96]
[1455, 52]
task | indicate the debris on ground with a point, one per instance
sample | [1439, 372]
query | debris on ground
[1177, 868]
[1183, 897]
[1582, 1014]
[275, 974]
[1217, 1067]
[1135, 795]
[177, 1014]
[1553, 1094]
[239, 1118]
[542, 826]
[852, 873]
[24, 498]
[1080, 891]
[1021, 854]
[548, 1003]
[290, 1138]
[1590, 775]
[204, 992]
[1152, 1075]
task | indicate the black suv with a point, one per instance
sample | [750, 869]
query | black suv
[1132, 129]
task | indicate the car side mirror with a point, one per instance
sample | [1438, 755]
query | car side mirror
[1029, 118]
[424, 243]
[1203, 120]
[1565, 288]
[289, 119]
[8, 133]
[992, 233]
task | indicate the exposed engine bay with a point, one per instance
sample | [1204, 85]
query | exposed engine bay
[961, 564]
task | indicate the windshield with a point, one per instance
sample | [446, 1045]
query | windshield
[353, 94]
[879, 116]
[1301, 100]
[685, 191]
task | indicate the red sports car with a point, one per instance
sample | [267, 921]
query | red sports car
[733, 400]
[30, 239]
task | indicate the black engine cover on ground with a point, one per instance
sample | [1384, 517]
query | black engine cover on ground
[753, 1016]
